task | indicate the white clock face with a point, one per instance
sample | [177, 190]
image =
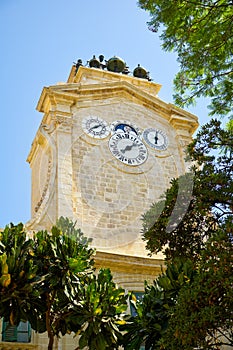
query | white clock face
[95, 127]
[128, 148]
[155, 138]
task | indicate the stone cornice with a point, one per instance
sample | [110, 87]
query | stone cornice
[127, 264]
[51, 97]
[63, 96]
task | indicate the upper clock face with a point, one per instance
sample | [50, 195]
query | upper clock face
[155, 138]
[128, 148]
[95, 127]
[124, 126]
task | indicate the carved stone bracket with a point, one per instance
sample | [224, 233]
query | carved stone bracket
[49, 128]
[184, 142]
[63, 122]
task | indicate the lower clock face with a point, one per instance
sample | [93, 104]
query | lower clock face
[155, 138]
[95, 127]
[128, 148]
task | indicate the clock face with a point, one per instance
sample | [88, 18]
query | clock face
[128, 148]
[155, 138]
[95, 127]
[124, 126]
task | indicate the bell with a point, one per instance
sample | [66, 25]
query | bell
[101, 58]
[94, 62]
[140, 72]
[116, 64]
[78, 64]
[126, 70]
[102, 62]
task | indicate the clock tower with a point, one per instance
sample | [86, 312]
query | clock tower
[106, 149]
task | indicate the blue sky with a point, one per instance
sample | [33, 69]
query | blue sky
[40, 39]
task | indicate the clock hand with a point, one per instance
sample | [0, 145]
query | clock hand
[128, 147]
[156, 138]
[95, 127]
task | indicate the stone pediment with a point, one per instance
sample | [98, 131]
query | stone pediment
[97, 85]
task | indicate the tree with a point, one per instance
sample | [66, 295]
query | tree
[203, 314]
[50, 281]
[180, 228]
[201, 33]
[98, 313]
[150, 324]
[20, 285]
[63, 259]
[197, 231]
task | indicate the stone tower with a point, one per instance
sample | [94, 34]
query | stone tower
[106, 149]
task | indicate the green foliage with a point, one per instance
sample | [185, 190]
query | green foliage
[98, 312]
[203, 314]
[19, 281]
[62, 255]
[63, 258]
[150, 324]
[50, 281]
[196, 228]
[200, 32]
[180, 227]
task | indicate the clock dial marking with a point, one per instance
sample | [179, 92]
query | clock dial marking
[95, 127]
[155, 138]
[128, 148]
